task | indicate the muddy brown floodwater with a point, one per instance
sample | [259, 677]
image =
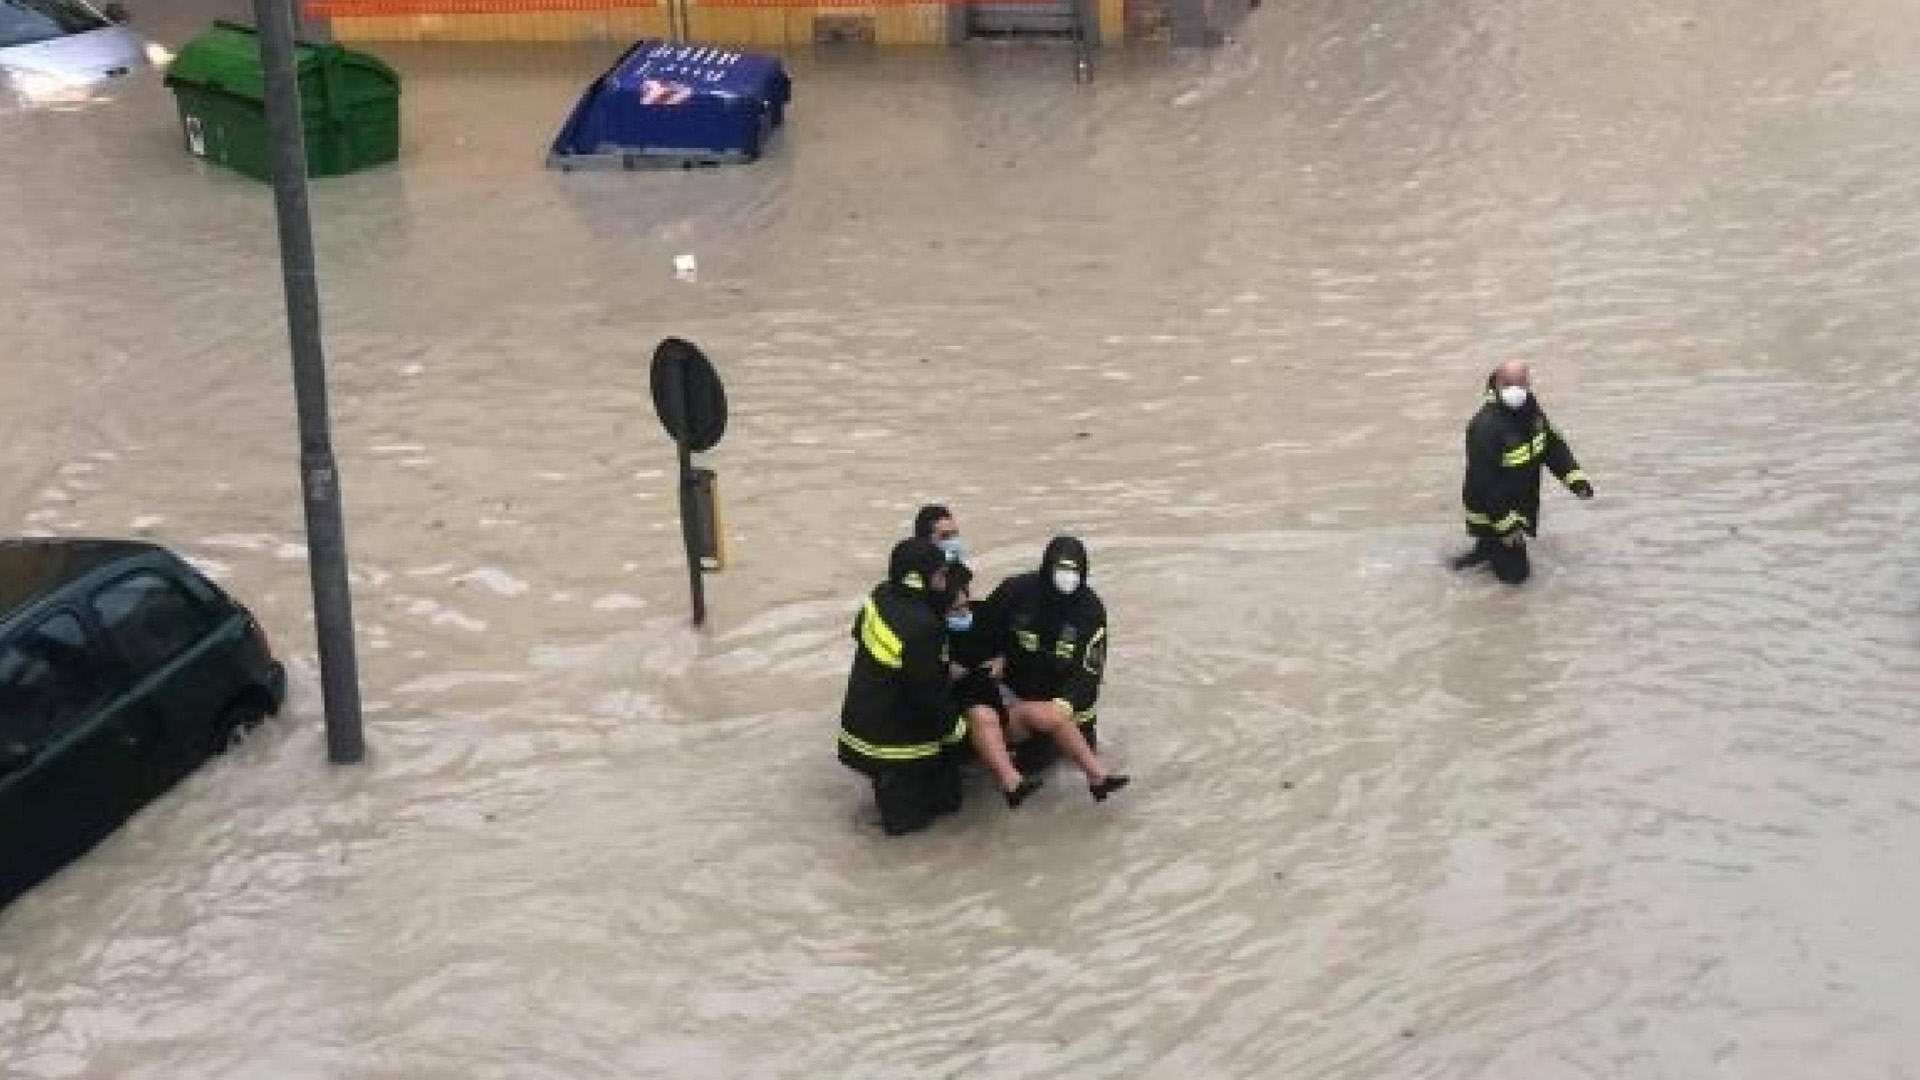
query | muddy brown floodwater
[1653, 816]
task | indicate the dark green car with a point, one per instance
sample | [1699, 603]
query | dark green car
[122, 669]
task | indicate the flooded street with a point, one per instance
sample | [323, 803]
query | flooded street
[1224, 315]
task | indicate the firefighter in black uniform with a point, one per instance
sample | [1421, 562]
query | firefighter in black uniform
[1508, 441]
[899, 726]
[1052, 631]
[935, 522]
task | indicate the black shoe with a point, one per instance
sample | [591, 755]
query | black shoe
[1023, 791]
[1106, 787]
[1471, 559]
[904, 828]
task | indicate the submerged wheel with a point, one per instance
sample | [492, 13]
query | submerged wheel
[241, 716]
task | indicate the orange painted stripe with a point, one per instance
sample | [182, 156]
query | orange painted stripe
[368, 9]
[696, 5]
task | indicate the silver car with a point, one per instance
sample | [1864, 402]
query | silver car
[54, 51]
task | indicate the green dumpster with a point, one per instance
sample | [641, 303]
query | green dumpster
[350, 104]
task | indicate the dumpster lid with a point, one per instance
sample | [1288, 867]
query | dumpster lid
[701, 69]
[227, 58]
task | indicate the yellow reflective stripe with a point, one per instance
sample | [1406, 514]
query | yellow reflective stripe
[1096, 657]
[873, 636]
[1063, 650]
[880, 628]
[907, 752]
[958, 733]
[1510, 522]
[881, 642]
[1526, 451]
[1086, 716]
[1474, 517]
[1573, 477]
[1029, 640]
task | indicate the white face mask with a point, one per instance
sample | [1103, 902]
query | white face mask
[1066, 582]
[1513, 397]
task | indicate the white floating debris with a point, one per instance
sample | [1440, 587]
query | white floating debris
[494, 580]
[241, 541]
[459, 622]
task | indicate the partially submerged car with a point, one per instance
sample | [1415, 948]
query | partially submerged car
[122, 669]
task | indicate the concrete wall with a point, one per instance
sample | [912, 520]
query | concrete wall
[777, 24]
[607, 24]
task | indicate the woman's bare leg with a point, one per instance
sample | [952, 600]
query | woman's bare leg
[1047, 718]
[983, 728]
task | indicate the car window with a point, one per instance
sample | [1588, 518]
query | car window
[25, 22]
[46, 681]
[151, 619]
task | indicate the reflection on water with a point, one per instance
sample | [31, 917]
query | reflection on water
[1224, 315]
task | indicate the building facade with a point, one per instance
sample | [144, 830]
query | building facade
[781, 23]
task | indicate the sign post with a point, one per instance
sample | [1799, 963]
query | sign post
[692, 406]
[1084, 11]
[319, 477]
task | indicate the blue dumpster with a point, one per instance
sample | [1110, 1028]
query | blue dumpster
[675, 104]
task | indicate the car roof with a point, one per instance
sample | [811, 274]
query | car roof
[30, 568]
